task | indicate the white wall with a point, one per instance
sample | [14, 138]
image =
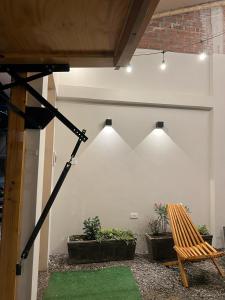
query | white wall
[186, 81]
[218, 147]
[146, 75]
[186, 164]
[129, 169]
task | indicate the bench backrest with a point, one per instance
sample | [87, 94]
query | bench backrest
[184, 232]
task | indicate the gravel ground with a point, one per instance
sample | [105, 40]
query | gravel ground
[155, 281]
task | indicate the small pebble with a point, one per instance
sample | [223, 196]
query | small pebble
[155, 281]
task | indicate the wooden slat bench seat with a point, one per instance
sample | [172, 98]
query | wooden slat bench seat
[188, 243]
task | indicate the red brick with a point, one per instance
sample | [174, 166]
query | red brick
[178, 33]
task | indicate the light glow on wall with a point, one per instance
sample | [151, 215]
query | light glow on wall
[158, 132]
[108, 129]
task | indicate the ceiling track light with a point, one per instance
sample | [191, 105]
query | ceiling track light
[163, 64]
[108, 122]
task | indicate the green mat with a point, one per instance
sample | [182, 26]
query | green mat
[116, 283]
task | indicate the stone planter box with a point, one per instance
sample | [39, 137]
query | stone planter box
[86, 251]
[160, 247]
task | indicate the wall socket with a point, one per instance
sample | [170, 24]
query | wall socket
[133, 215]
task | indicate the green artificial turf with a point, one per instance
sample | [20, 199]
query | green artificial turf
[116, 283]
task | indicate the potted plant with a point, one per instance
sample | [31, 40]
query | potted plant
[203, 230]
[160, 241]
[99, 245]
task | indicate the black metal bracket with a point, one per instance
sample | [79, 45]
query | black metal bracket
[44, 70]
[35, 117]
[39, 118]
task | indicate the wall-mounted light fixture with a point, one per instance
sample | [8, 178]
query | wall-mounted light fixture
[159, 124]
[108, 122]
[158, 131]
[108, 126]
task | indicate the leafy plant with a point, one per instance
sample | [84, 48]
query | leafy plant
[202, 229]
[91, 228]
[161, 210]
[160, 225]
[115, 234]
[154, 225]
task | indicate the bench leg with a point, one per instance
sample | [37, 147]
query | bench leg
[183, 273]
[220, 271]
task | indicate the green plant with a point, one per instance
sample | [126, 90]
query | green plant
[154, 225]
[202, 229]
[161, 210]
[91, 228]
[115, 234]
[160, 225]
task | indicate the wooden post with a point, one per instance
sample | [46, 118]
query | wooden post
[9, 252]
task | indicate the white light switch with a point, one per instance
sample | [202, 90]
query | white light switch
[134, 215]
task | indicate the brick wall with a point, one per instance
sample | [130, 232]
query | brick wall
[179, 33]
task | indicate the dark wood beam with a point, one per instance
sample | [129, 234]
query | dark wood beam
[73, 58]
[139, 16]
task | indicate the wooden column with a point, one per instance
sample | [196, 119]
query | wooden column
[13, 194]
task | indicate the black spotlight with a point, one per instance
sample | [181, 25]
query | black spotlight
[159, 124]
[108, 122]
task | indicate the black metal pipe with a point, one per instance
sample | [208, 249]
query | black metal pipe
[45, 211]
[50, 202]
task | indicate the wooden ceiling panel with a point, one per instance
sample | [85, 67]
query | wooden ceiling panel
[78, 32]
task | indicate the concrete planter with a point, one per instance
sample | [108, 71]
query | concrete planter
[160, 247]
[84, 251]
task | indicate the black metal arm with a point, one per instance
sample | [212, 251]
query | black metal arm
[47, 208]
[50, 201]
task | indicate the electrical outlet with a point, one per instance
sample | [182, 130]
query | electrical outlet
[133, 215]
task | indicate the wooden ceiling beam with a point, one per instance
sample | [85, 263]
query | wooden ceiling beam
[139, 16]
[75, 58]
[81, 33]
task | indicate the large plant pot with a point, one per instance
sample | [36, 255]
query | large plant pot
[160, 247]
[84, 251]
